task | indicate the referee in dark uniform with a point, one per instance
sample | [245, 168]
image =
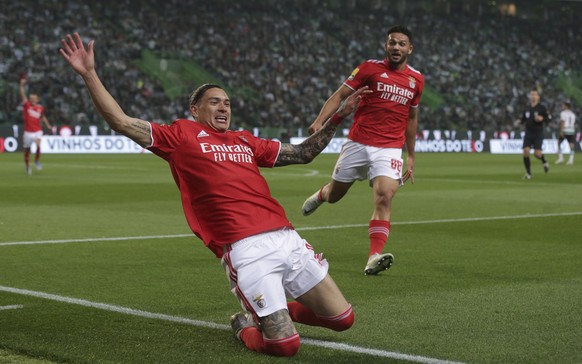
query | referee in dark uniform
[534, 117]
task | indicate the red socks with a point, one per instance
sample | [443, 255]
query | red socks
[253, 339]
[304, 315]
[378, 231]
[288, 346]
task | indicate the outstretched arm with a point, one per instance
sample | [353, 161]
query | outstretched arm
[305, 152]
[21, 90]
[83, 62]
[330, 106]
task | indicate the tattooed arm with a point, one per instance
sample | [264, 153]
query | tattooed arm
[305, 152]
[83, 62]
[308, 149]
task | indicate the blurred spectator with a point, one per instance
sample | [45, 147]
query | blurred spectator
[281, 56]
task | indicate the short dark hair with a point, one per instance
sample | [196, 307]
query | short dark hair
[400, 29]
[200, 91]
[568, 104]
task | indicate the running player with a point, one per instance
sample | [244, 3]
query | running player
[567, 132]
[385, 121]
[33, 114]
[534, 117]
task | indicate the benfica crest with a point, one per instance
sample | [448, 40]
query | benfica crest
[411, 82]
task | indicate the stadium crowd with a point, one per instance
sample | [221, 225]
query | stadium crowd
[282, 59]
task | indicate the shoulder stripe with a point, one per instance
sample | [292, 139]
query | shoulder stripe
[348, 86]
[414, 70]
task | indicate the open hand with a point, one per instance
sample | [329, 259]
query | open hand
[351, 103]
[81, 60]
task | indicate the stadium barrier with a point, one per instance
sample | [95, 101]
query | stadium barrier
[514, 146]
[118, 144]
[51, 144]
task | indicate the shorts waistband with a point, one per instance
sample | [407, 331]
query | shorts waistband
[228, 247]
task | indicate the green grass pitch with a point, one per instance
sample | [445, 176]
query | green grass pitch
[487, 265]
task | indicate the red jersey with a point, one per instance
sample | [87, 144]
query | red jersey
[382, 116]
[32, 115]
[224, 196]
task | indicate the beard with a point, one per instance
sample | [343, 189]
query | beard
[400, 60]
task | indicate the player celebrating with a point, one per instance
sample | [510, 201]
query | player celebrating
[33, 114]
[533, 118]
[567, 131]
[386, 120]
[228, 205]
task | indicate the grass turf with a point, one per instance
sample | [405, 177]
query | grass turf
[487, 265]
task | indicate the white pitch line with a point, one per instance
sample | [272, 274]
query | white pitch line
[212, 325]
[308, 228]
[309, 173]
[92, 240]
[518, 182]
[12, 307]
[375, 352]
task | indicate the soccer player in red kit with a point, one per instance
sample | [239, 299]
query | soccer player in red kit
[228, 205]
[33, 114]
[384, 122]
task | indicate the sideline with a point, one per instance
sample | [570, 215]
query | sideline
[308, 228]
[212, 325]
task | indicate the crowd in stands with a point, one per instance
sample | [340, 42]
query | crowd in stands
[287, 56]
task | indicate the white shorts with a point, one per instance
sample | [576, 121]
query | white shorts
[265, 269]
[358, 162]
[30, 137]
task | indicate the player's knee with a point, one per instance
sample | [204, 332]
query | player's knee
[384, 200]
[288, 346]
[341, 322]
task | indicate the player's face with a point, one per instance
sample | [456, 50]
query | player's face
[398, 48]
[534, 97]
[213, 110]
[33, 98]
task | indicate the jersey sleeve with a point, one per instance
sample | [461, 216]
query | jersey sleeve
[358, 77]
[165, 139]
[265, 151]
[416, 100]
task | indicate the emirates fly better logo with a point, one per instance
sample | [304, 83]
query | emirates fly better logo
[234, 153]
[395, 93]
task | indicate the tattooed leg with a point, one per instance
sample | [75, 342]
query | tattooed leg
[277, 325]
